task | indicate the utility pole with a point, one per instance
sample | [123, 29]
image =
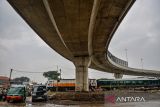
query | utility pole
[142, 63]
[126, 55]
[57, 81]
[60, 74]
[10, 76]
[57, 68]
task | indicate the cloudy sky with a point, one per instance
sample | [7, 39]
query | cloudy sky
[23, 50]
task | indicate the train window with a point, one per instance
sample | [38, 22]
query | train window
[133, 82]
[140, 82]
[121, 82]
[127, 81]
[156, 82]
[146, 82]
[153, 82]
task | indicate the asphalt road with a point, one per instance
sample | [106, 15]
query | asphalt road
[40, 104]
[47, 104]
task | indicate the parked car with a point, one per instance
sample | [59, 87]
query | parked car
[16, 93]
[39, 92]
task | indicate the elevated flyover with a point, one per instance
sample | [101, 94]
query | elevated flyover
[80, 30]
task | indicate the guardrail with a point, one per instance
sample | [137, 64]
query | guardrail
[117, 60]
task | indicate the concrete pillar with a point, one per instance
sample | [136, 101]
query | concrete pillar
[81, 64]
[118, 75]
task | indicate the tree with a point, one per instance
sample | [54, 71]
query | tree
[51, 75]
[21, 79]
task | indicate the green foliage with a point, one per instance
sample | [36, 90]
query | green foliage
[21, 79]
[51, 75]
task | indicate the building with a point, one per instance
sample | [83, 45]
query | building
[4, 82]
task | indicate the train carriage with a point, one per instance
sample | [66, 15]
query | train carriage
[146, 82]
[67, 84]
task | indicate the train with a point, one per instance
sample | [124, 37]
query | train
[106, 84]
[67, 84]
[140, 82]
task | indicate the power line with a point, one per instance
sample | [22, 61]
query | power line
[60, 67]
[26, 71]
[55, 67]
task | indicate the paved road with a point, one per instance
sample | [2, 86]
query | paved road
[37, 104]
[45, 104]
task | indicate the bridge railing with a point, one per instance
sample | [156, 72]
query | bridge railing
[117, 60]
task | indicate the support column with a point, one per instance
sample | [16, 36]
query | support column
[81, 64]
[118, 75]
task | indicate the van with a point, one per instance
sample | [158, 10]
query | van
[16, 93]
[39, 92]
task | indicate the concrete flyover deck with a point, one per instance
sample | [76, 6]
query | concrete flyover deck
[79, 30]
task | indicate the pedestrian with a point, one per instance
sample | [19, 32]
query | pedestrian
[4, 94]
[1, 94]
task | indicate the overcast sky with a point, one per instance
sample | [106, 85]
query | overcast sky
[22, 49]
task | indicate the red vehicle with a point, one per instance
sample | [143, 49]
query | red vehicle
[16, 93]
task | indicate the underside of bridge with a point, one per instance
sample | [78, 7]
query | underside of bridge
[79, 30]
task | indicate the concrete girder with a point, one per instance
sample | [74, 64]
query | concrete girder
[36, 16]
[72, 19]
